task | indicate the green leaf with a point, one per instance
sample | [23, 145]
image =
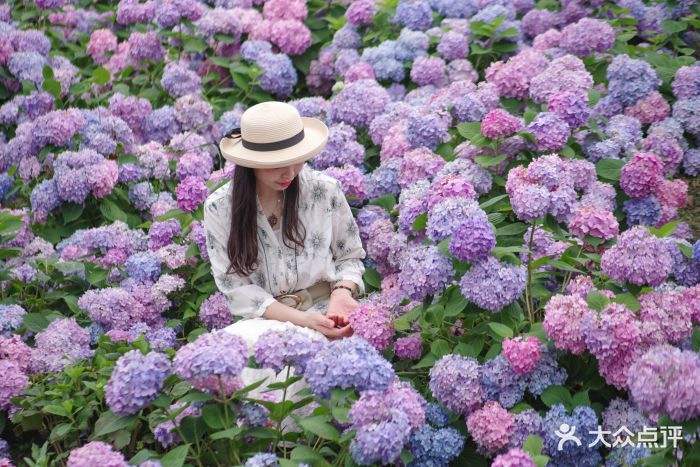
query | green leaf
[629, 300]
[35, 322]
[566, 151]
[372, 278]
[456, 304]
[320, 427]
[71, 211]
[53, 87]
[671, 26]
[427, 361]
[597, 301]
[581, 399]
[540, 460]
[213, 416]
[609, 169]
[501, 330]
[440, 348]
[101, 76]
[387, 202]
[56, 410]
[533, 445]
[556, 395]
[176, 457]
[231, 433]
[665, 230]
[307, 455]
[60, 431]
[488, 161]
[111, 211]
[109, 423]
[469, 130]
[515, 228]
[420, 222]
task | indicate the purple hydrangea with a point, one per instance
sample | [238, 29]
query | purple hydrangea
[278, 348]
[687, 112]
[136, 381]
[361, 12]
[638, 258]
[178, 80]
[358, 103]
[165, 432]
[455, 383]
[381, 442]
[143, 267]
[571, 106]
[586, 422]
[376, 406]
[426, 129]
[492, 285]
[11, 318]
[60, 344]
[642, 211]
[498, 123]
[594, 221]
[428, 70]
[641, 175]
[629, 80]
[549, 130]
[586, 36]
[348, 363]
[213, 362]
[514, 457]
[472, 240]
[409, 348]
[215, 312]
[278, 74]
[14, 380]
[191, 193]
[424, 271]
[414, 14]
[445, 218]
[665, 381]
[96, 453]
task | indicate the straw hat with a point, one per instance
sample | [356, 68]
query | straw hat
[273, 134]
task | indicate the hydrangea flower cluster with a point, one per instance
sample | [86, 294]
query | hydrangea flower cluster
[136, 381]
[213, 362]
[373, 322]
[638, 258]
[277, 348]
[492, 284]
[455, 382]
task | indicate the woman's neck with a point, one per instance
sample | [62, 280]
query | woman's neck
[268, 195]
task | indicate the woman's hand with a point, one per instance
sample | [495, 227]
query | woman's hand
[340, 307]
[326, 326]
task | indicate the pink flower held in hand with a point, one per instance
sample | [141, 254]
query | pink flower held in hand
[522, 353]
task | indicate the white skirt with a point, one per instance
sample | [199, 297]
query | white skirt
[250, 330]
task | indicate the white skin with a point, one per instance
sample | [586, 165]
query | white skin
[269, 188]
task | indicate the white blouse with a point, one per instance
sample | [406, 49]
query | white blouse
[332, 250]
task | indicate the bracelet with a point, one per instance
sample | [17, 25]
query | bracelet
[352, 292]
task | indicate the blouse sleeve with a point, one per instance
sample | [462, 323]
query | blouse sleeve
[245, 299]
[346, 243]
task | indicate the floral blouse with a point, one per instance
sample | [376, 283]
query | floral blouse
[332, 251]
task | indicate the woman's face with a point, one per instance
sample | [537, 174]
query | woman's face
[279, 178]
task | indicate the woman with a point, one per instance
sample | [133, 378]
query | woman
[284, 247]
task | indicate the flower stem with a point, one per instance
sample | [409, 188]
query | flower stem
[528, 285]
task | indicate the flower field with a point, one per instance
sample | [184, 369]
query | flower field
[522, 176]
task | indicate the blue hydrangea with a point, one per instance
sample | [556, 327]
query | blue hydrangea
[449, 214]
[414, 14]
[437, 415]
[385, 64]
[7, 183]
[629, 80]
[263, 459]
[161, 125]
[606, 149]
[143, 267]
[501, 383]
[347, 37]
[4, 449]
[642, 211]
[492, 284]
[696, 251]
[686, 271]
[381, 442]
[435, 447]
[251, 50]
[384, 179]
[348, 363]
[452, 9]
[424, 271]
[251, 414]
[584, 420]
[411, 44]
[278, 75]
[687, 112]
[142, 195]
[468, 108]
[11, 318]
[95, 330]
[691, 162]
[426, 130]
[626, 456]
[136, 381]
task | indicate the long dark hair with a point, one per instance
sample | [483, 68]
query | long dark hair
[242, 247]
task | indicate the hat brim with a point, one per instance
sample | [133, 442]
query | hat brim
[315, 137]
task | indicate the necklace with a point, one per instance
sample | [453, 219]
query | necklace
[272, 219]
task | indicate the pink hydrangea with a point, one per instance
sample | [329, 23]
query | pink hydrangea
[361, 12]
[666, 317]
[580, 285]
[638, 257]
[358, 71]
[450, 186]
[672, 193]
[522, 354]
[427, 70]
[512, 78]
[640, 176]
[491, 427]
[96, 453]
[101, 42]
[418, 164]
[395, 143]
[12, 348]
[191, 192]
[498, 123]
[649, 109]
[285, 9]
[373, 323]
[562, 322]
[516, 457]
[595, 222]
[409, 348]
[567, 73]
[291, 36]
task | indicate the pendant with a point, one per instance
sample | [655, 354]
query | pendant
[272, 220]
